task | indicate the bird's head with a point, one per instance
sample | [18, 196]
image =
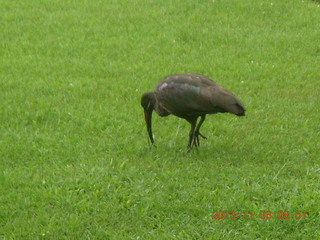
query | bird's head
[148, 102]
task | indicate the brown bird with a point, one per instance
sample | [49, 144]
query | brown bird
[189, 96]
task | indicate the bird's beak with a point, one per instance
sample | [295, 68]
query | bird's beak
[148, 117]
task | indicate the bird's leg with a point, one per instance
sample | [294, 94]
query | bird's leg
[197, 130]
[193, 123]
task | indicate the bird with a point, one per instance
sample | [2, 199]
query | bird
[189, 96]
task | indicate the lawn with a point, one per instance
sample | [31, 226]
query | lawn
[75, 160]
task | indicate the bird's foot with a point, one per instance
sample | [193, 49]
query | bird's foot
[202, 135]
[195, 140]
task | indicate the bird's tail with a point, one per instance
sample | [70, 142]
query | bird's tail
[226, 101]
[239, 110]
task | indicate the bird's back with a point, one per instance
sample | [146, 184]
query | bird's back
[191, 79]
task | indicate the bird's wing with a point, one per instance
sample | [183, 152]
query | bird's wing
[191, 94]
[182, 99]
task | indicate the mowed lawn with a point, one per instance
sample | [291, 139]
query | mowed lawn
[75, 160]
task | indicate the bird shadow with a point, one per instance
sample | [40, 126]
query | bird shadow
[226, 152]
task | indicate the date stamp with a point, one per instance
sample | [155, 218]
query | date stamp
[259, 215]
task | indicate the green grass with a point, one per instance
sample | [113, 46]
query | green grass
[75, 162]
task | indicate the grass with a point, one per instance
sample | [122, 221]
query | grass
[75, 160]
